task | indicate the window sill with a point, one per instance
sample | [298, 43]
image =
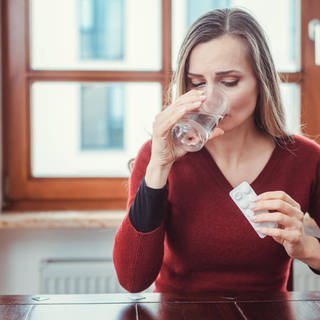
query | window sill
[61, 219]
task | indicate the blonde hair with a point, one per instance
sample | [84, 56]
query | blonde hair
[269, 113]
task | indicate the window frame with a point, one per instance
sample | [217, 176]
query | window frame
[23, 192]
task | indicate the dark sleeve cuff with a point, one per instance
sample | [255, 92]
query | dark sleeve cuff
[148, 208]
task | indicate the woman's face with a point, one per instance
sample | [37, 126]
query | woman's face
[224, 62]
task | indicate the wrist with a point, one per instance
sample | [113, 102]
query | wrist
[157, 175]
[311, 255]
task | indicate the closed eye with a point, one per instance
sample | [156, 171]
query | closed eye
[230, 83]
[197, 84]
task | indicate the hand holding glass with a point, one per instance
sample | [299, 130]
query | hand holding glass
[193, 130]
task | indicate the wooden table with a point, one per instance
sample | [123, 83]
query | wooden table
[293, 305]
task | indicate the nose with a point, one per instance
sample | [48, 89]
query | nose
[213, 93]
[216, 99]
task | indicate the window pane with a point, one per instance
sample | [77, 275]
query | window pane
[89, 129]
[282, 33]
[95, 34]
[291, 101]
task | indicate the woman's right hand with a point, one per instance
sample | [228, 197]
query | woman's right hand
[164, 152]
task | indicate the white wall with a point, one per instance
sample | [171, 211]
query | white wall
[22, 251]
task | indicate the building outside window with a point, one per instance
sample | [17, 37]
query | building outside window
[102, 117]
[102, 31]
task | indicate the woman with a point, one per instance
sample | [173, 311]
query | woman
[182, 230]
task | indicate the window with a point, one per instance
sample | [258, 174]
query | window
[89, 129]
[83, 84]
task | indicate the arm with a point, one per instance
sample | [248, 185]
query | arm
[138, 254]
[138, 246]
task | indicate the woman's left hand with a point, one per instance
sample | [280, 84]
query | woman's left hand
[287, 214]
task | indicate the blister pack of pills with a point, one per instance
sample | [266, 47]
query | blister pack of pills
[243, 195]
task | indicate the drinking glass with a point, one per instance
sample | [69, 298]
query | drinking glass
[193, 130]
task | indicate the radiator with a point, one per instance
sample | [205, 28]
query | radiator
[78, 276]
[303, 278]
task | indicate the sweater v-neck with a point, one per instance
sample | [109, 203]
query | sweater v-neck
[224, 183]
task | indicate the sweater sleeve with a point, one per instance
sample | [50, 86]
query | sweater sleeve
[138, 255]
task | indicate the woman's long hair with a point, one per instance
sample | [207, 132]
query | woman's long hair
[269, 113]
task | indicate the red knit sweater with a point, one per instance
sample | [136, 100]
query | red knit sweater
[205, 244]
